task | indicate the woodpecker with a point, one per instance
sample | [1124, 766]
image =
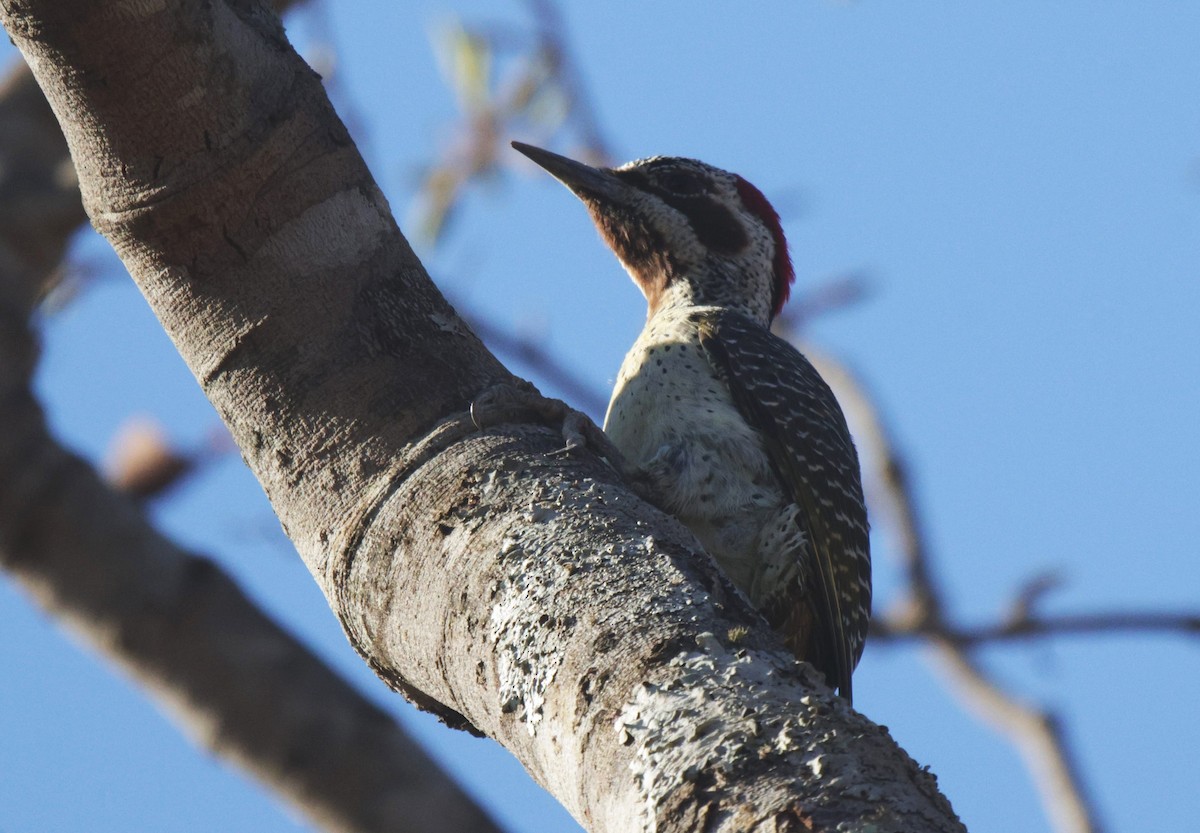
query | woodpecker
[730, 427]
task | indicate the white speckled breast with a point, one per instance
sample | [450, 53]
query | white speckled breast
[673, 418]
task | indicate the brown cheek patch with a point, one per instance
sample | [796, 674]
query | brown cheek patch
[639, 247]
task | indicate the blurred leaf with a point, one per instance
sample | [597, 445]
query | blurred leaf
[466, 61]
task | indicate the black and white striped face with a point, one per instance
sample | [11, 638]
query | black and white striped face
[688, 233]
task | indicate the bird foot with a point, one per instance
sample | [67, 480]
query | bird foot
[520, 401]
[514, 402]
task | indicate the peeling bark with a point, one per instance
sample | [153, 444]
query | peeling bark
[528, 596]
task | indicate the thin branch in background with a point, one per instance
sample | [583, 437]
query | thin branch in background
[832, 295]
[1038, 733]
[533, 357]
[897, 629]
[1032, 592]
[542, 94]
[552, 29]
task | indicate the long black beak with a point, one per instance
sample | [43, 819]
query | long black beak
[584, 180]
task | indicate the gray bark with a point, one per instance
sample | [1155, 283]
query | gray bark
[527, 596]
[232, 677]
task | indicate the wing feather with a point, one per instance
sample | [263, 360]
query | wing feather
[780, 393]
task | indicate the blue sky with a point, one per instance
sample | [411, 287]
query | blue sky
[1019, 182]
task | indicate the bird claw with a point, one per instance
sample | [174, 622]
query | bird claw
[514, 402]
[517, 402]
[500, 403]
[575, 426]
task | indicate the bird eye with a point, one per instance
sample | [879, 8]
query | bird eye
[679, 182]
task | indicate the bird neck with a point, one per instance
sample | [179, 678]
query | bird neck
[708, 285]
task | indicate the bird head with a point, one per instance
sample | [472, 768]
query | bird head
[688, 233]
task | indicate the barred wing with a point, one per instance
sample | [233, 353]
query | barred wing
[783, 397]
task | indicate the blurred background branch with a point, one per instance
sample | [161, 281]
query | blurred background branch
[506, 82]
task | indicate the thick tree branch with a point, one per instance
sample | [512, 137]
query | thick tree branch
[528, 595]
[236, 680]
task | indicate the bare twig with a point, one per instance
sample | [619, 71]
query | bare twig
[532, 356]
[582, 114]
[895, 628]
[1038, 733]
[836, 293]
[491, 112]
